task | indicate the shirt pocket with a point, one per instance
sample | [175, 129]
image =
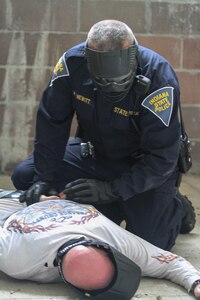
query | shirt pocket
[121, 119]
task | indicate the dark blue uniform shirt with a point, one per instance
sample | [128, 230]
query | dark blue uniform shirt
[107, 125]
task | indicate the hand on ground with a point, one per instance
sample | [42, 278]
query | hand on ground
[197, 291]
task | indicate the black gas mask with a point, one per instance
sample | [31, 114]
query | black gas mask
[127, 274]
[113, 72]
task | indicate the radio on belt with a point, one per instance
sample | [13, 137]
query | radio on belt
[87, 150]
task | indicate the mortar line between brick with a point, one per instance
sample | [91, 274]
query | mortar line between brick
[149, 34]
[42, 31]
[49, 67]
[78, 15]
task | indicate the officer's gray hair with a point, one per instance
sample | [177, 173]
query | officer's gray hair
[108, 35]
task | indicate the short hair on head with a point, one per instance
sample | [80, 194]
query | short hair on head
[88, 268]
[109, 35]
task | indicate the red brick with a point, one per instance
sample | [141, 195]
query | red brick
[2, 14]
[39, 49]
[18, 48]
[130, 12]
[189, 84]
[5, 40]
[191, 117]
[191, 53]
[3, 89]
[169, 47]
[2, 112]
[27, 84]
[173, 18]
[195, 146]
[18, 89]
[32, 42]
[19, 116]
[60, 43]
[39, 15]
[64, 15]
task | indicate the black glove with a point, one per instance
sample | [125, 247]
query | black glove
[91, 191]
[32, 195]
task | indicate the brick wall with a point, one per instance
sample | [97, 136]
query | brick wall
[34, 34]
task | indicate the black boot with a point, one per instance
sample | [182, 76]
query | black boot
[10, 194]
[188, 214]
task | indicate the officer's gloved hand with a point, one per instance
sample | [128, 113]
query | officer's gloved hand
[91, 191]
[32, 195]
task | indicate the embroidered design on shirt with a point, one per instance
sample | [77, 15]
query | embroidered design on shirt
[160, 103]
[91, 214]
[166, 258]
[21, 227]
[82, 98]
[60, 70]
[120, 111]
[50, 214]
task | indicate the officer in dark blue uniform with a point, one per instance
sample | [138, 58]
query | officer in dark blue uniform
[124, 158]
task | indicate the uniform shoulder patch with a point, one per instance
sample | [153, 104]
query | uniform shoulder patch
[60, 69]
[160, 103]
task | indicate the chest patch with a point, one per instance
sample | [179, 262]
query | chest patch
[60, 70]
[160, 103]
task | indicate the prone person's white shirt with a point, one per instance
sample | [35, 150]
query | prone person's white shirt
[30, 237]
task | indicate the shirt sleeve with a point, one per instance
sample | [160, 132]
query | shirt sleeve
[53, 123]
[8, 207]
[158, 263]
[159, 142]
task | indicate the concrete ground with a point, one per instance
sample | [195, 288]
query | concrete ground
[152, 289]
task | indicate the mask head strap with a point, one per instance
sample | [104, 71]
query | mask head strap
[127, 274]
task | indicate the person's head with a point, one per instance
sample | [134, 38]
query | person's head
[95, 269]
[88, 268]
[111, 54]
[109, 35]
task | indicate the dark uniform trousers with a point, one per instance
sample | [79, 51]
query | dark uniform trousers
[154, 215]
